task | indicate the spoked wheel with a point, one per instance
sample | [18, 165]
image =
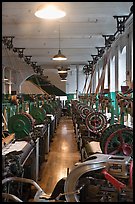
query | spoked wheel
[21, 124]
[107, 132]
[96, 122]
[120, 142]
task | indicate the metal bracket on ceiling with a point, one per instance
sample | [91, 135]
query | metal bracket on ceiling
[27, 59]
[87, 70]
[101, 51]
[121, 23]
[19, 51]
[34, 64]
[90, 63]
[8, 41]
[95, 58]
[108, 40]
[37, 68]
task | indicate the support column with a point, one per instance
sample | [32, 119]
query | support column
[129, 59]
[77, 80]
[20, 89]
[116, 70]
[10, 82]
[116, 81]
[3, 81]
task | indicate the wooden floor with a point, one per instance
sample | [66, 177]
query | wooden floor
[63, 155]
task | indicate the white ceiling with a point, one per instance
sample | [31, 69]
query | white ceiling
[81, 29]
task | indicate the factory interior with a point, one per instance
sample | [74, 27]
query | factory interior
[67, 102]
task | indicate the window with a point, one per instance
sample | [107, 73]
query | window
[106, 77]
[96, 75]
[132, 61]
[122, 69]
[112, 74]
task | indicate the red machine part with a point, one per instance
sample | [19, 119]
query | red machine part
[120, 142]
[117, 184]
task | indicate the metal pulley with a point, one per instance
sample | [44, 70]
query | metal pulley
[96, 122]
[32, 120]
[85, 110]
[120, 142]
[48, 108]
[107, 132]
[21, 125]
[54, 104]
[39, 114]
[79, 107]
[77, 112]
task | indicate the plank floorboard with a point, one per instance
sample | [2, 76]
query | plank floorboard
[63, 155]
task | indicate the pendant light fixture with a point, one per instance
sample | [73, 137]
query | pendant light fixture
[63, 72]
[59, 56]
[50, 12]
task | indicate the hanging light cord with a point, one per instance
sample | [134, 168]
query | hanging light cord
[59, 36]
